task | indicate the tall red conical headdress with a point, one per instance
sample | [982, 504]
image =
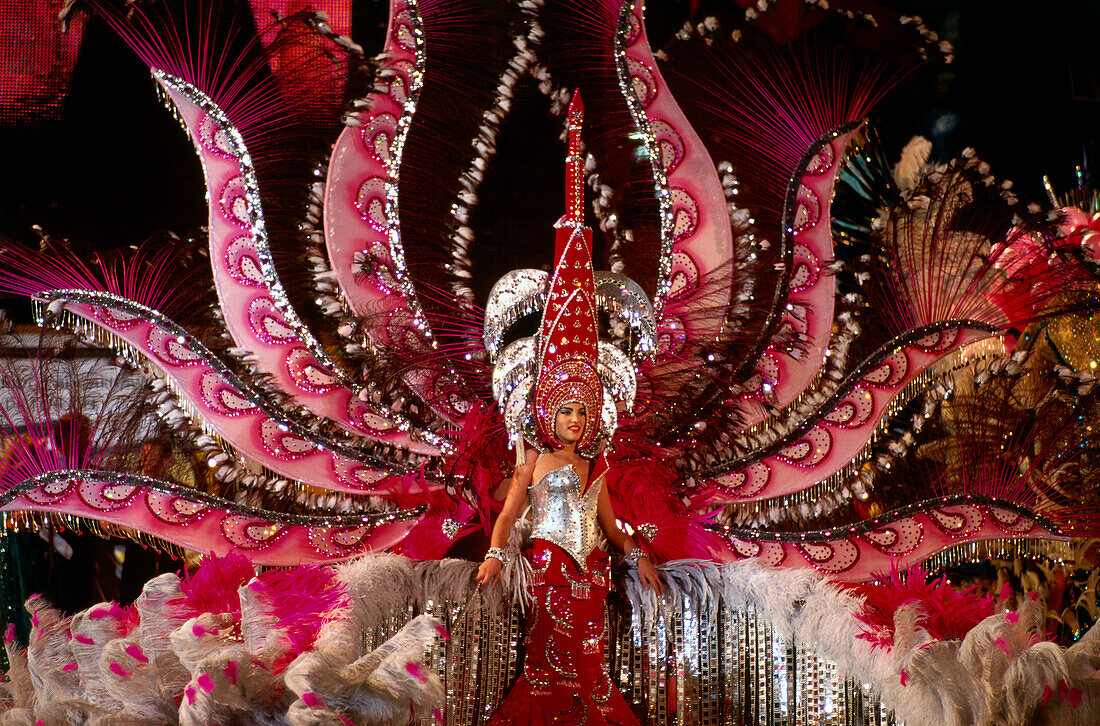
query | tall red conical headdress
[567, 342]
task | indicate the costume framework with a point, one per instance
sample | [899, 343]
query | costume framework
[820, 347]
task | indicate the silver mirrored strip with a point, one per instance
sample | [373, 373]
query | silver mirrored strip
[393, 175]
[849, 531]
[776, 438]
[644, 132]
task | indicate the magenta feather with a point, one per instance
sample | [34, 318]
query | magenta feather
[482, 459]
[126, 617]
[120, 671]
[414, 670]
[642, 486]
[480, 463]
[152, 274]
[135, 652]
[301, 600]
[205, 682]
[428, 540]
[213, 587]
[946, 613]
[230, 672]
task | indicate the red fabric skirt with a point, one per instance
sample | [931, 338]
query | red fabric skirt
[563, 679]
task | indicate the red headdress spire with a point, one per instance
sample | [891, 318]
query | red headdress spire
[567, 342]
[574, 166]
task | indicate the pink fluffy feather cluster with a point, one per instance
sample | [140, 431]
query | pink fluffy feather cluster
[642, 485]
[212, 588]
[299, 599]
[945, 612]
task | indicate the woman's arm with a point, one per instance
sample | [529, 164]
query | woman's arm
[646, 571]
[489, 572]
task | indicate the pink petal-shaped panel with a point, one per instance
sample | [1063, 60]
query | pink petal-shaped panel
[844, 426]
[697, 228]
[811, 293]
[862, 552]
[223, 403]
[202, 523]
[257, 312]
[356, 215]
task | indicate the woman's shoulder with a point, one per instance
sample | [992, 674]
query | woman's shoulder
[600, 465]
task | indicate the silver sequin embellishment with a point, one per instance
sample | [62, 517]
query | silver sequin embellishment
[564, 516]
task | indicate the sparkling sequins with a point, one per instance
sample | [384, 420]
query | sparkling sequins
[177, 507]
[564, 515]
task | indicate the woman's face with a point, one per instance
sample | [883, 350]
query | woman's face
[569, 422]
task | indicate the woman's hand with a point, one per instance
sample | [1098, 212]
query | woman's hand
[647, 573]
[489, 573]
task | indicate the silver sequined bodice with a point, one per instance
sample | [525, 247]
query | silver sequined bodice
[563, 515]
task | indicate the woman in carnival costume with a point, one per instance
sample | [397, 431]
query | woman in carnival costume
[564, 679]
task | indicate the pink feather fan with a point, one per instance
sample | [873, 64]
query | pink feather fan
[480, 463]
[213, 587]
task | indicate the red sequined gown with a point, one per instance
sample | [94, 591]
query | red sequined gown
[563, 679]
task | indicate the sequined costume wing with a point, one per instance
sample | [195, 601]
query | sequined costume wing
[780, 322]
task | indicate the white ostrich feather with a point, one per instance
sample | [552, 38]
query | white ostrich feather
[698, 580]
[643, 602]
[376, 689]
[17, 717]
[517, 571]
[775, 593]
[938, 689]
[158, 616]
[19, 685]
[63, 712]
[913, 158]
[1083, 657]
[201, 637]
[260, 632]
[231, 688]
[146, 686]
[379, 585]
[1025, 678]
[49, 651]
[99, 630]
[825, 622]
[443, 581]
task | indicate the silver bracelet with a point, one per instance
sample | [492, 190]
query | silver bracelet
[497, 553]
[636, 554]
